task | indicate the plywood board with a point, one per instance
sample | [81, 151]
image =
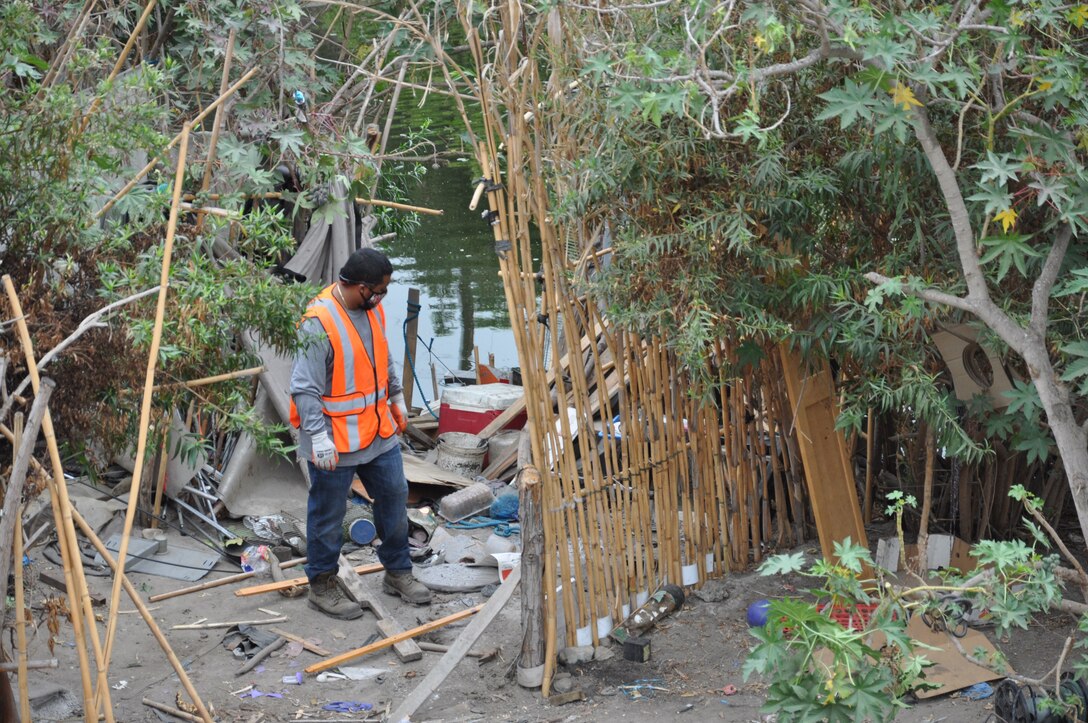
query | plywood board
[828, 472]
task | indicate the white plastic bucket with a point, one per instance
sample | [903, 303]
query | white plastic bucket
[462, 453]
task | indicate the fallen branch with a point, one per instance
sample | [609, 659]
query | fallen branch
[221, 581]
[169, 710]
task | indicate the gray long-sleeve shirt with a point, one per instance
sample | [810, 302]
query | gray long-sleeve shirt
[311, 377]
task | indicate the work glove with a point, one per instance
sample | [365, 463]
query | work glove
[323, 452]
[400, 412]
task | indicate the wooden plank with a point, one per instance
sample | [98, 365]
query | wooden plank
[828, 472]
[458, 649]
[406, 650]
[298, 581]
[388, 642]
[315, 649]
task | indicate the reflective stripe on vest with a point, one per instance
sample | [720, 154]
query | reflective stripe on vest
[356, 403]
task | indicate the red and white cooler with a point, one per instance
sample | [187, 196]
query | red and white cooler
[471, 408]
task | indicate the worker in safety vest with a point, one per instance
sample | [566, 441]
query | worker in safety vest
[347, 403]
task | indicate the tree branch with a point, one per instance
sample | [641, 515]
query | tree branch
[937, 297]
[1040, 291]
[977, 290]
[91, 322]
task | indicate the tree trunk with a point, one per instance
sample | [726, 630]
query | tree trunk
[1072, 440]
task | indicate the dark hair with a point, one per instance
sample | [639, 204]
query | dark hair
[366, 266]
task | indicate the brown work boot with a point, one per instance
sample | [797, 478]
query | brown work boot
[326, 596]
[404, 584]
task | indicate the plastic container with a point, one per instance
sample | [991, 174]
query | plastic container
[359, 524]
[851, 617]
[471, 408]
[502, 444]
[462, 453]
[466, 502]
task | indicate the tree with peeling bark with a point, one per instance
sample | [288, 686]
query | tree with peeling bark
[848, 175]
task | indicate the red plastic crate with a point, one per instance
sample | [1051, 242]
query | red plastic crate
[852, 617]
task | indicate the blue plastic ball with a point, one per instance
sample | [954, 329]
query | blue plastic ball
[757, 613]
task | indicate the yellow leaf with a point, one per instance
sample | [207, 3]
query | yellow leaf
[1045, 85]
[1078, 15]
[760, 41]
[903, 96]
[1016, 18]
[1007, 219]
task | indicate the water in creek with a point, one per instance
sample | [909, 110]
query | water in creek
[451, 260]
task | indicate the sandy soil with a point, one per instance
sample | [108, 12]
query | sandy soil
[696, 652]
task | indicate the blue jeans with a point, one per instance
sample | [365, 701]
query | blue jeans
[327, 504]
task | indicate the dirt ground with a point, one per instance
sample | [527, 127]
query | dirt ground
[695, 652]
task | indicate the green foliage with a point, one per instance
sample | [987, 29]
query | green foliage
[819, 670]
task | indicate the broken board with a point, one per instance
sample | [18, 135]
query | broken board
[828, 472]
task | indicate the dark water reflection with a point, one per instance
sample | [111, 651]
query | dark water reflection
[451, 260]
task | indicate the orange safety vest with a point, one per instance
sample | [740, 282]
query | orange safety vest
[357, 402]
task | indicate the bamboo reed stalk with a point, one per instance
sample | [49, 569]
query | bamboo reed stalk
[139, 28]
[149, 381]
[75, 582]
[204, 381]
[217, 123]
[401, 206]
[134, 596]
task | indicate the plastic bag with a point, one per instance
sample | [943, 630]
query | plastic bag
[258, 560]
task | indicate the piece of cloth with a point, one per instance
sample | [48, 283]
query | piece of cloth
[327, 504]
[354, 389]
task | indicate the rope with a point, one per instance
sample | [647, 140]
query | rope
[413, 314]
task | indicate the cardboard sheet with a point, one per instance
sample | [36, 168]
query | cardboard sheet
[950, 669]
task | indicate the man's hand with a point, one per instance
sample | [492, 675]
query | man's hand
[323, 454]
[400, 412]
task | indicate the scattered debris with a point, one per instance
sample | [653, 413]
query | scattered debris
[713, 591]
[666, 600]
[576, 654]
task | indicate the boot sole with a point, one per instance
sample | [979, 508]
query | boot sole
[390, 590]
[357, 613]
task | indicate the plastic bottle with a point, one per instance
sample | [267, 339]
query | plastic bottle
[662, 603]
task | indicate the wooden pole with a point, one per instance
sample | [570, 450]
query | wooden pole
[927, 500]
[160, 479]
[391, 640]
[74, 580]
[531, 514]
[411, 336]
[870, 433]
[221, 581]
[20, 600]
[13, 495]
[133, 595]
[149, 382]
